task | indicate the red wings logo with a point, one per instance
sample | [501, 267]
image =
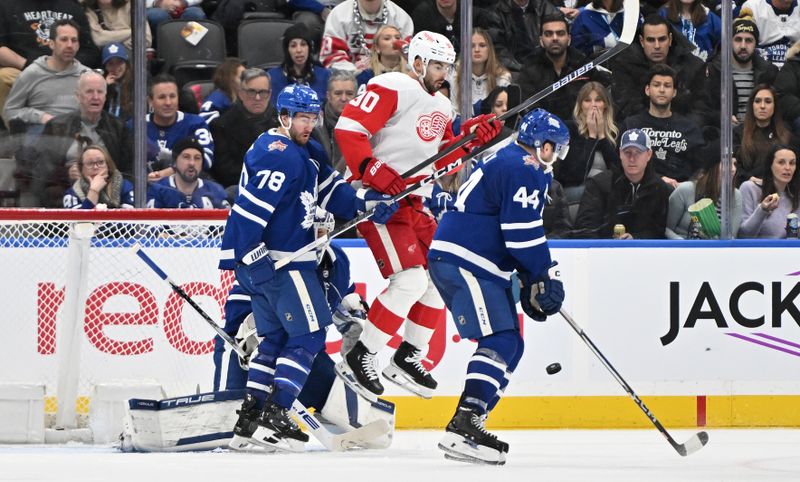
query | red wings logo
[431, 126]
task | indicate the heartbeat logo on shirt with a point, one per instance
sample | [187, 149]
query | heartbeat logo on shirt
[431, 126]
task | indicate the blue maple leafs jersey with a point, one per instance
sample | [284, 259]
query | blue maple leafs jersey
[497, 225]
[186, 125]
[165, 194]
[280, 187]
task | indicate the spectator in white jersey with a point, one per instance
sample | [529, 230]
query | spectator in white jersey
[748, 70]
[779, 24]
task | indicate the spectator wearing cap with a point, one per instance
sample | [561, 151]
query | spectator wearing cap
[634, 197]
[110, 21]
[119, 78]
[299, 66]
[778, 24]
[674, 138]
[185, 188]
[748, 69]
[60, 146]
[236, 130]
[787, 85]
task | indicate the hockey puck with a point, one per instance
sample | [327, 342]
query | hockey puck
[553, 368]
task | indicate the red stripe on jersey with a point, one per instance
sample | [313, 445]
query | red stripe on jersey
[334, 49]
[371, 110]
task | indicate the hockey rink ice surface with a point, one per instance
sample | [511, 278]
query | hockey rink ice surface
[536, 455]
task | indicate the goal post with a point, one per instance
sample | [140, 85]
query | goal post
[79, 310]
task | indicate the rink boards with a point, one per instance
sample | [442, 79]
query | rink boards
[707, 333]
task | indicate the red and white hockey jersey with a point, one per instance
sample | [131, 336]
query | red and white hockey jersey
[397, 121]
[340, 41]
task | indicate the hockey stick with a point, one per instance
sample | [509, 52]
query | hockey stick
[695, 443]
[630, 23]
[330, 441]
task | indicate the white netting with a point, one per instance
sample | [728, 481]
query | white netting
[131, 326]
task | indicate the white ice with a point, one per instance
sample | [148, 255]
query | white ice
[541, 455]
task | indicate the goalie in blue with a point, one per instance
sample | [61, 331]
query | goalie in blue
[273, 216]
[495, 230]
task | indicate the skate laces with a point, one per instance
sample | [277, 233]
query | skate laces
[479, 421]
[368, 364]
[415, 358]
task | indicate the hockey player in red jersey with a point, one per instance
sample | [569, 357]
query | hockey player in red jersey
[399, 121]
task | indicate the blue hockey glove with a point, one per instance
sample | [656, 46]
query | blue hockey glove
[259, 265]
[384, 206]
[540, 297]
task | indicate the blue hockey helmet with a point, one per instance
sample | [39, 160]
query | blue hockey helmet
[539, 126]
[296, 98]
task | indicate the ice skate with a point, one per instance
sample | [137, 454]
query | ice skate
[466, 440]
[246, 425]
[357, 369]
[406, 370]
[277, 428]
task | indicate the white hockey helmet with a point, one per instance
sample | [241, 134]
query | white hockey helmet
[430, 46]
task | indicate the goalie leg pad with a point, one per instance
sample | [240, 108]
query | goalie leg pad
[348, 410]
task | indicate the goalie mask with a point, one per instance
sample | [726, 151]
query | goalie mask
[539, 127]
[430, 46]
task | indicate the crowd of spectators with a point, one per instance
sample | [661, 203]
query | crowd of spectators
[644, 128]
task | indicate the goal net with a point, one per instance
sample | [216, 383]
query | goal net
[78, 308]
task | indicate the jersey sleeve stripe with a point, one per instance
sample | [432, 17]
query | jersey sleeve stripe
[468, 255]
[526, 244]
[247, 215]
[238, 298]
[324, 184]
[533, 224]
[326, 199]
[347, 124]
[258, 202]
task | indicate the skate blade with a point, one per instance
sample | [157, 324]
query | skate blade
[402, 379]
[349, 378]
[246, 445]
[460, 449]
[265, 437]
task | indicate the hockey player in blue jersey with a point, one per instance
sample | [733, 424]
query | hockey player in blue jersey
[496, 230]
[185, 188]
[272, 217]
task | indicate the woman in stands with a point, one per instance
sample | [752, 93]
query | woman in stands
[299, 65]
[597, 27]
[487, 72]
[707, 184]
[226, 87]
[110, 21]
[763, 127]
[100, 183]
[386, 54]
[767, 203]
[592, 141]
[702, 27]
[119, 81]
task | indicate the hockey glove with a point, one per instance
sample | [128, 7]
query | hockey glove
[382, 204]
[259, 265]
[381, 177]
[486, 127]
[540, 297]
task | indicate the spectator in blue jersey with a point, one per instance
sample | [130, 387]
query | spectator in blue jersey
[598, 26]
[634, 197]
[166, 125]
[299, 66]
[272, 218]
[701, 27]
[100, 183]
[236, 130]
[119, 78]
[185, 188]
[496, 231]
[226, 89]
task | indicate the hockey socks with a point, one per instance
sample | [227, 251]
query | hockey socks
[487, 369]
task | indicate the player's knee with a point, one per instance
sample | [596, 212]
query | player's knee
[504, 344]
[311, 342]
[410, 283]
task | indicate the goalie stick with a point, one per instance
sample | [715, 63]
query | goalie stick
[331, 441]
[695, 443]
[630, 23]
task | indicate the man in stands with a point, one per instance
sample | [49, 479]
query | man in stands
[778, 22]
[185, 189]
[342, 88]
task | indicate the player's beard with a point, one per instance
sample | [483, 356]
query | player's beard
[430, 86]
[298, 138]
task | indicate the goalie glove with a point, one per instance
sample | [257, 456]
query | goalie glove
[247, 339]
[349, 320]
[540, 297]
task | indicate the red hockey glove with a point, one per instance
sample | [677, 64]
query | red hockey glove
[381, 177]
[486, 128]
